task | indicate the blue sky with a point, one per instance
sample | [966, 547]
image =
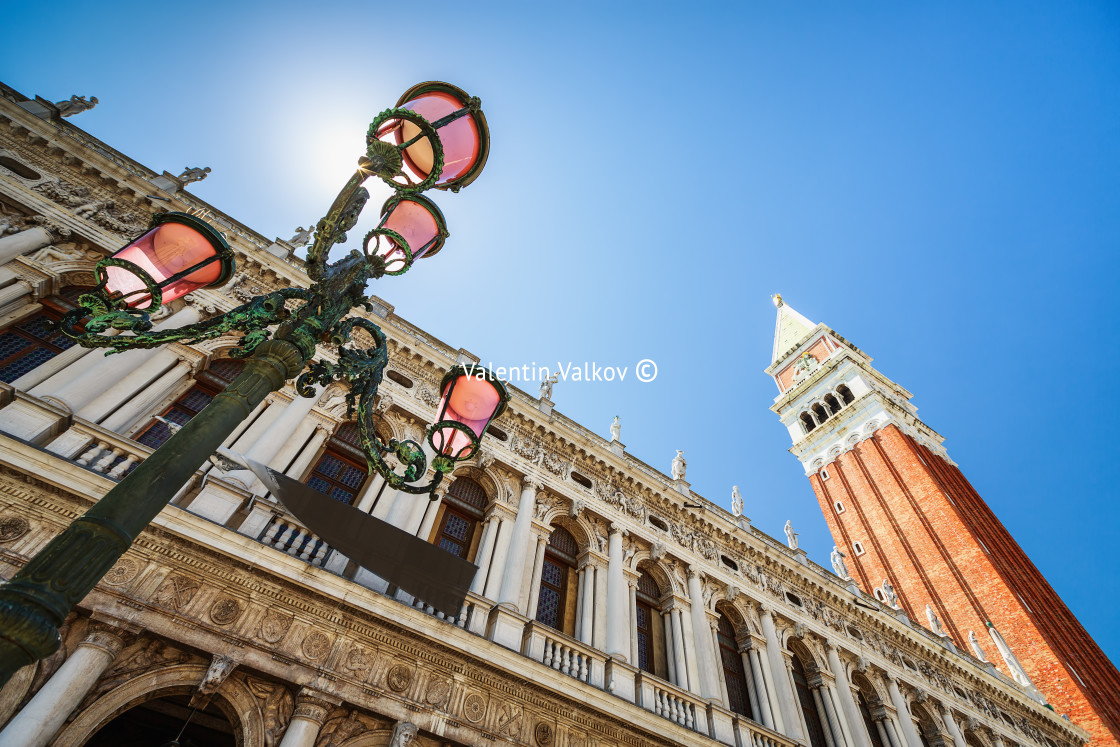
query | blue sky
[938, 184]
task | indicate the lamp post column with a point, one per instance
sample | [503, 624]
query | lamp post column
[37, 599]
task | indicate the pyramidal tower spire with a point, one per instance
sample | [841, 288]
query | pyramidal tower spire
[906, 516]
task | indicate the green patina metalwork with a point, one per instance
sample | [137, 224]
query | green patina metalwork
[35, 602]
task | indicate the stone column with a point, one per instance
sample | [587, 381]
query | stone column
[829, 723]
[705, 659]
[682, 680]
[909, 733]
[101, 372]
[272, 440]
[953, 727]
[312, 708]
[670, 651]
[44, 714]
[721, 675]
[308, 453]
[148, 399]
[892, 732]
[44, 371]
[482, 557]
[599, 609]
[518, 548]
[765, 714]
[11, 296]
[28, 240]
[431, 510]
[130, 386]
[633, 584]
[498, 564]
[783, 688]
[849, 710]
[884, 736]
[618, 632]
[535, 579]
[587, 602]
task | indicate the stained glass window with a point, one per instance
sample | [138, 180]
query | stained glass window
[342, 470]
[455, 533]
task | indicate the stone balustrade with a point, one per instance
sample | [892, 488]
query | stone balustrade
[671, 702]
[287, 535]
[566, 655]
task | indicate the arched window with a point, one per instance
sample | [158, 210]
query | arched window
[733, 671]
[808, 707]
[159, 721]
[820, 413]
[459, 516]
[807, 422]
[845, 394]
[833, 405]
[649, 628]
[556, 602]
[341, 470]
[29, 343]
[207, 385]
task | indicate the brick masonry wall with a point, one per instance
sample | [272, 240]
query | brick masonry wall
[925, 528]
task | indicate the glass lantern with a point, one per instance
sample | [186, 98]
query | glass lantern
[178, 255]
[414, 219]
[471, 400]
[461, 129]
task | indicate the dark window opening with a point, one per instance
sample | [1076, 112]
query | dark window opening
[206, 386]
[733, 671]
[807, 422]
[581, 480]
[158, 721]
[31, 342]
[19, 169]
[808, 707]
[820, 413]
[399, 378]
[845, 394]
[833, 405]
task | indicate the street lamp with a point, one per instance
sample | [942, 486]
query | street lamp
[436, 136]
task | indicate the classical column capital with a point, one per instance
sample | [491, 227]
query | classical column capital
[107, 637]
[531, 482]
[314, 705]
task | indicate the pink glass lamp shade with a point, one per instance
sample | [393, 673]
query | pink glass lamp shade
[418, 221]
[178, 255]
[465, 140]
[471, 400]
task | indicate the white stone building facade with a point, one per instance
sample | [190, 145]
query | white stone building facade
[604, 611]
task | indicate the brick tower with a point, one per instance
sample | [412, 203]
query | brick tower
[902, 511]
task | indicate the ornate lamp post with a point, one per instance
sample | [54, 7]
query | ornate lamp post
[436, 136]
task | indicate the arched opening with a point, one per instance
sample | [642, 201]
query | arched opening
[833, 405]
[807, 422]
[649, 628]
[820, 413]
[813, 721]
[207, 385]
[929, 726]
[845, 394]
[734, 673]
[158, 721]
[460, 513]
[341, 469]
[31, 342]
[556, 601]
[874, 733]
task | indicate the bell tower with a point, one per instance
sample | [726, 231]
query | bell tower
[904, 514]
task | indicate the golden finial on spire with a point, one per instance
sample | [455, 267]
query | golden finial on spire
[777, 300]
